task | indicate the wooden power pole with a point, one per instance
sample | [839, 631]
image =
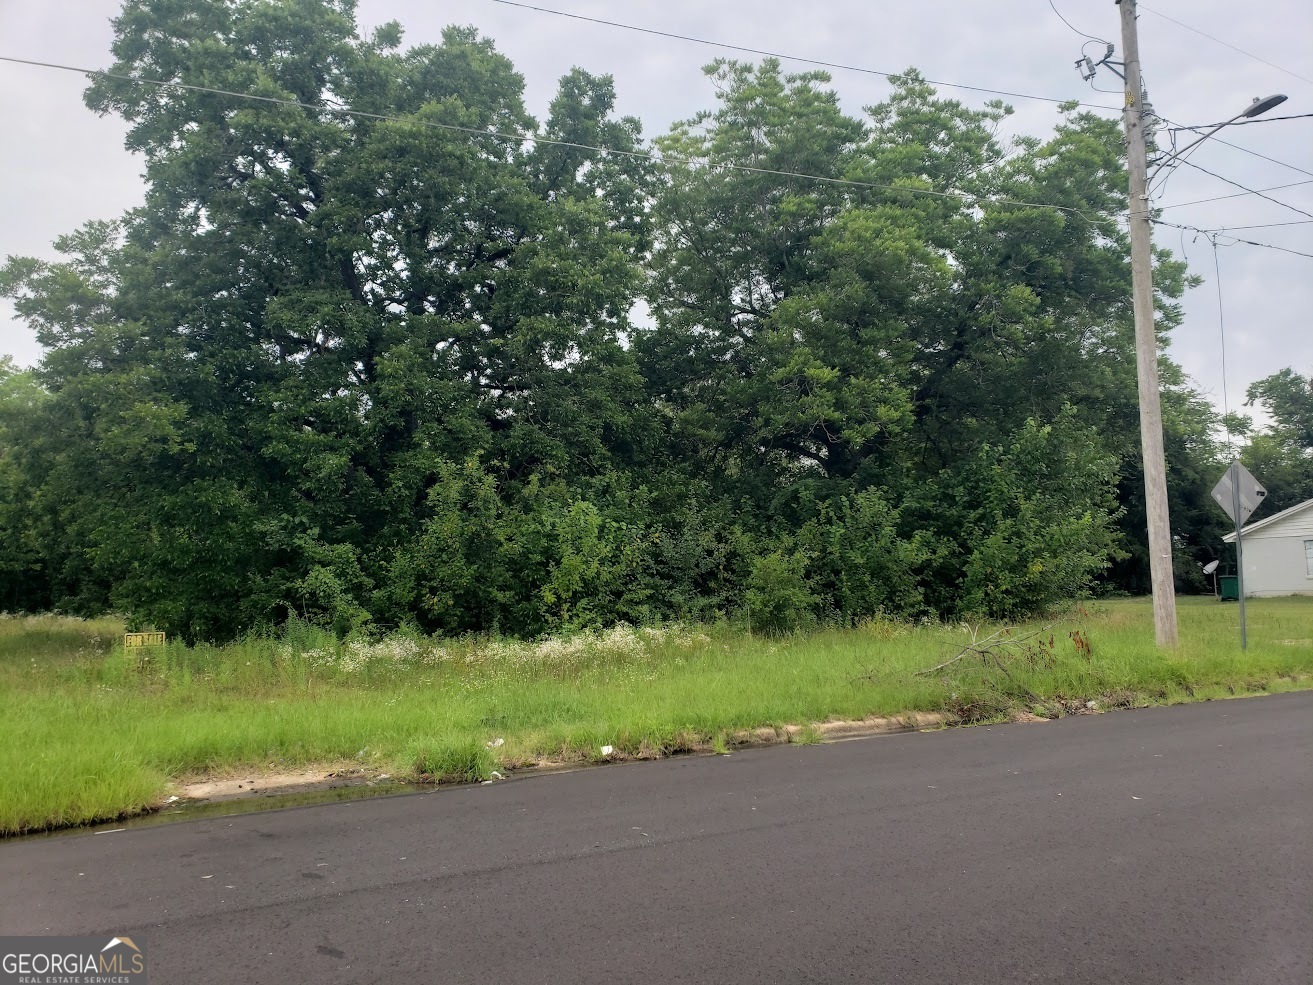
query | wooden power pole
[1146, 341]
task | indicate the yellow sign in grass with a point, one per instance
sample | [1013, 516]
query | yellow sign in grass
[135, 641]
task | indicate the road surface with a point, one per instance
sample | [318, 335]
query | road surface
[1165, 845]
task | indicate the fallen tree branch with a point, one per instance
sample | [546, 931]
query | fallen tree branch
[989, 650]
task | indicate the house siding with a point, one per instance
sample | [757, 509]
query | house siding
[1277, 566]
[1276, 559]
[1299, 525]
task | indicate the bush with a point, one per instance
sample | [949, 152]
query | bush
[778, 597]
[1035, 521]
[858, 563]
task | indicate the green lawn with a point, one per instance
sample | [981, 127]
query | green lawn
[90, 736]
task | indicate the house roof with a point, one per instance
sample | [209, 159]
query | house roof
[1274, 518]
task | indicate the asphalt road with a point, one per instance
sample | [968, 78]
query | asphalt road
[1168, 845]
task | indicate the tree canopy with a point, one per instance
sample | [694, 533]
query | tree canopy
[1283, 456]
[436, 362]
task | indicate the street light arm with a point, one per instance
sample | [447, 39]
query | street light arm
[1194, 143]
[1257, 107]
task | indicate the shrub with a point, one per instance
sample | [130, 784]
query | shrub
[778, 597]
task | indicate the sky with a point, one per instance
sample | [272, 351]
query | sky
[61, 165]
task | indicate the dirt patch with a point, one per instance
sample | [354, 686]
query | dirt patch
[269, 784]
[1021, 717]
[329, 777]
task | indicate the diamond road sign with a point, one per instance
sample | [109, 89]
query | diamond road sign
[1251, 493]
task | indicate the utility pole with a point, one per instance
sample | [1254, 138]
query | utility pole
[1146, 341]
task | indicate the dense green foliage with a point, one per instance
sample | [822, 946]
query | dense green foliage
[385, 372]
[1283, 457]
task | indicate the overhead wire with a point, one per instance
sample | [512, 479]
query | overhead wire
[1270, 246]
[1118, 91]
[1254, 153]
[1159, 177]
[1227, 44]
[1100, 88]
[1177, 128]
[1222, 198]
[1244, 123]
[1269, 225]
[1237, 239]
[1263, 156]
[656, 158]
[1251, 191]
[820, 62]
[1074, 27]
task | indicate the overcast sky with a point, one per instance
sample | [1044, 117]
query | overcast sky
[61, 165]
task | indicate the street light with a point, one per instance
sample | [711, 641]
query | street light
[1260, 106]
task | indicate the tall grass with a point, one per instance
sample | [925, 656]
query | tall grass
[92, 733]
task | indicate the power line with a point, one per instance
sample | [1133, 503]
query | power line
[1270, 225]
[1220, 198]
[1170, 166]
[1251, 191]
[855, 68]
[1074, 27]
[1226, 44]
[1237, 239]
[1244, 123]
[791, 58]
[1269, 246]
[1176, 127]
[1254, 153]
[656, 158]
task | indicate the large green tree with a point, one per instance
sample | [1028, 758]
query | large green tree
[1282, 456]
[25, 581]
[942, 294]
[258, 375]
[382, 366]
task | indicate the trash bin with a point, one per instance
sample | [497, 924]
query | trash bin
[1230, 588]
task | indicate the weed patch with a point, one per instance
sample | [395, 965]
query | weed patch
[94, 736]
[453, 760]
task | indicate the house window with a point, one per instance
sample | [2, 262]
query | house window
[1308, 557]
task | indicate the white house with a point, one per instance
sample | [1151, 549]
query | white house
[1279, 552]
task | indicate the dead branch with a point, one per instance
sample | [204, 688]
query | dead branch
[990, 650]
